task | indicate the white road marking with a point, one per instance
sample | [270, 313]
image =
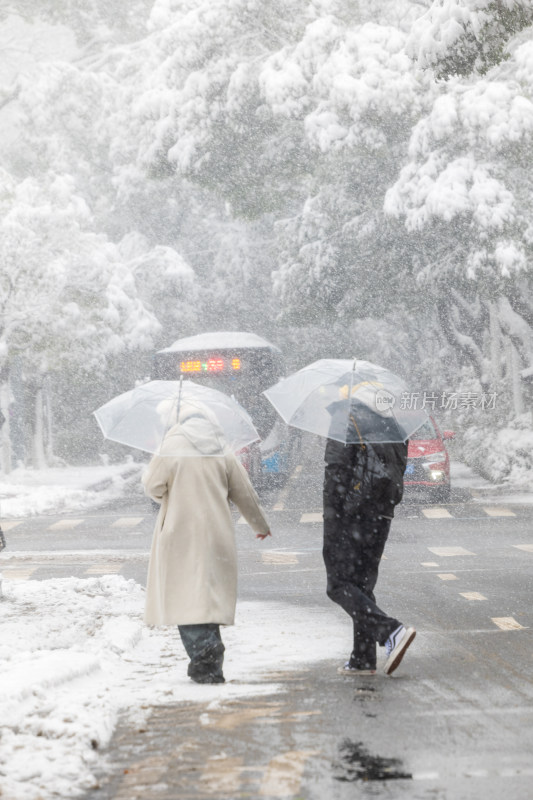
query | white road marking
[313, 517]
[127, 522]
[241, 521]
[65, 524]
[428, 564]
[278, 557]
[283, 775]
[446, 552]
[436, 513]
[507, 624]
[447, 576]
[497, 511]
[14, 574]
[8, 526]
[506, 772]
[528, 548]
[426, 776]
[103, 569]
[473, 595]
[222, 775]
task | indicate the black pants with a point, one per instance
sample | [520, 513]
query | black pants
[203, 644]
[352, 552]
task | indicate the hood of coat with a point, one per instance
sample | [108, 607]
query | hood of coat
[198, 427]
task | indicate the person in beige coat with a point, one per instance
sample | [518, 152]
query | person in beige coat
[192, 573]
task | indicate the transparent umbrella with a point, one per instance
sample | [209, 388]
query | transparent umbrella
[142, 417]
[347, 400]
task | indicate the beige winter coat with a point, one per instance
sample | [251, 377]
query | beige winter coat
[192, 574]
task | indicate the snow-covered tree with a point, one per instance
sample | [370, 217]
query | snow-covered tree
[66, 296]
[457, 37]
[465, 197]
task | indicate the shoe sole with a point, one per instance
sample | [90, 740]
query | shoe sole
[395, 658]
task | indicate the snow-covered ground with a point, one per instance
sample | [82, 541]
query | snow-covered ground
[26, 492]
[74, 653]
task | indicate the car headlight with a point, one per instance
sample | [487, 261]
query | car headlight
[436, 475]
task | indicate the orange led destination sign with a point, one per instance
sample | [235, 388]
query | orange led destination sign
[211, 365]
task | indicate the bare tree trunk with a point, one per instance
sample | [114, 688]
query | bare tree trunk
[495, 343]
[48, 417]
[38, 454]
[514, 370]
[5, 439]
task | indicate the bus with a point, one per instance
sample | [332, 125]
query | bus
[241, 365]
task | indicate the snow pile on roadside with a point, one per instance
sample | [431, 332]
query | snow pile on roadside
[504, 456]
[27, 492]
[74, 653]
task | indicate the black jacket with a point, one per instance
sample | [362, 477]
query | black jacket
[365, 477]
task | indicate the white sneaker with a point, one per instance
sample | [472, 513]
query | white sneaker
[396, 647]
[348, 670]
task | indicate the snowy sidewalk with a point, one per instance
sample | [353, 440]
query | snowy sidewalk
[74, 654]
[27, 492]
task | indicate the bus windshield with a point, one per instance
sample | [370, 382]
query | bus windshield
[240, 365]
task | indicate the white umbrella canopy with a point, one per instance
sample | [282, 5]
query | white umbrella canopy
[142, 417]
[347, 400]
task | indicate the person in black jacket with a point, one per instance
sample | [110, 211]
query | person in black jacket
[362, 485]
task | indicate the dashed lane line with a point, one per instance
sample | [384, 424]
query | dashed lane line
[8, 525]
[103, 569]
[473, 595]
[436, 513]
[527, 548]
[278, 557]
[507, 624]
[312, 517]
[127, 522]
[428, 564]
[447, 552]
[447, 576]
[65, 524]
[498, 511]
[17, 574]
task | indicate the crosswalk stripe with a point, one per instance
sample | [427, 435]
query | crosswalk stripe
[436, 513]
[507, 623]
[8, 526]
[498, 511]
[446, 552]
[283, 775]
[473, 595]
[127, 522]
[65, 524]
[313, 517]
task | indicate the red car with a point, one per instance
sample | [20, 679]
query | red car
[428, 464]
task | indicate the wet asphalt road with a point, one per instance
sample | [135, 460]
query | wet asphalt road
[455, 721]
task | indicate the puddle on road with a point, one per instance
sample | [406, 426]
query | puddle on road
[357, 764]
